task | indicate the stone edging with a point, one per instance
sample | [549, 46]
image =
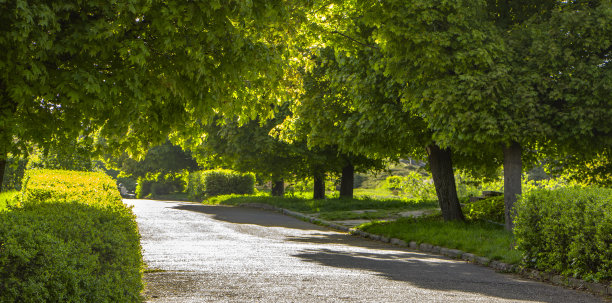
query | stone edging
[532, 274]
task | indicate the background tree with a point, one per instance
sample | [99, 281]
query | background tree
[250, 148]
[378, 123]
[164, 158]
[461, 67]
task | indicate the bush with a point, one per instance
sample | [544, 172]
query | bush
[159, 184]
[72, 240]
[568, 231]
[219, 182]
[490, 209]
[51, 186]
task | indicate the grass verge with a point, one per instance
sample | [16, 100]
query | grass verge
[7, 199]
[331, 209]
[480, 238]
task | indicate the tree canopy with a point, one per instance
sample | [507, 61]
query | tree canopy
[134, 71]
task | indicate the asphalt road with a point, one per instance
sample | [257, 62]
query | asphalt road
[228, 254]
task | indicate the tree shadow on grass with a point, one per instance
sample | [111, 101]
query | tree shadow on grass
[442, 274]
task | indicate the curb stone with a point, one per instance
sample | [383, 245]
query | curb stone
[532, 274]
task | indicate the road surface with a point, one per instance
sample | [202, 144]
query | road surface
[199, 253]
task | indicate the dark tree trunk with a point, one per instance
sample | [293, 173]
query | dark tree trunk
[319, 186]
[513, 169]
[347, 180]
[2, 166]
[441, 166]
[278, 188]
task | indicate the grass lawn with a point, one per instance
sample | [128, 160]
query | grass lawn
[7, 199]
[480, 238]
[331, 209]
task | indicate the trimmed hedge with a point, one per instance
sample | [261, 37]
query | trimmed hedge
[219, 182]
[567, 231]
[63, 245]
[159, 184]
[52, 186]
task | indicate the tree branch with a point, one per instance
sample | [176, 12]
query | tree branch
[354, 40]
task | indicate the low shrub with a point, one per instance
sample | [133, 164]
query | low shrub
[71, 240]
[195, 185]
[51, 186]
[489, 209]
[69, 252]
[159, 184]
[219, 182]
[567, 231]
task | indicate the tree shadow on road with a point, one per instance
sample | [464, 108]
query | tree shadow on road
[240, 215]
[438, 273]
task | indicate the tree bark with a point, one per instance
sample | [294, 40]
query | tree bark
[347, 180]
[319, 186]
[441, 166]
[513, 169]
[2, 169]
[278, 188]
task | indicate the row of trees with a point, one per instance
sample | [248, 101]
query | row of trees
[319, 86]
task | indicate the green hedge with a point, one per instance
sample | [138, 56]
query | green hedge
[52, 186]
[64, 246]
[159, 184]
[568, 231]
[219, 182]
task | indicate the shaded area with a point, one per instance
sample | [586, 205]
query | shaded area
[241, 215]
[439, 273]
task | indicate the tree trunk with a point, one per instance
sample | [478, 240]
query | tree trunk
[278, 188]
[2, 166]
[319, 186]
[441, 166]
[347, 181]
[513, 169]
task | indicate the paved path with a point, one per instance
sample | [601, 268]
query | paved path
[227, 254]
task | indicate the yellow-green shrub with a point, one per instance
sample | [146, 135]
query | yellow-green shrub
[91, 188]
[72, 240]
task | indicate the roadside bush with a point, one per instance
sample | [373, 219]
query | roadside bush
[52, 186]
[72, 240]
[568, 231]
[159, 184]
[491, 209]
[219, 182]
[69, 252]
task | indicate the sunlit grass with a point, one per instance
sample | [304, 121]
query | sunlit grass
[480, 238]
[300, 204]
